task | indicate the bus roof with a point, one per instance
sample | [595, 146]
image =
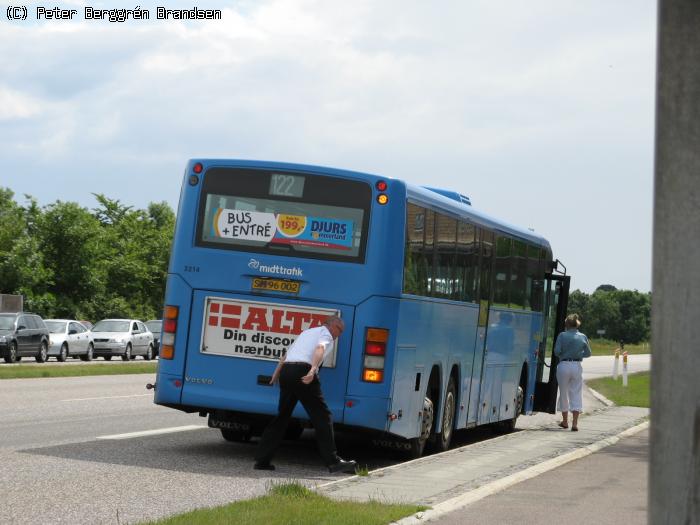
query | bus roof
[434, 199]
[430, 197]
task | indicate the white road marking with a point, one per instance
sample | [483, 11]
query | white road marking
[155, 432]
[108, 397]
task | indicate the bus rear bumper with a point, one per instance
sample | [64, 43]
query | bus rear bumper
[168, 389]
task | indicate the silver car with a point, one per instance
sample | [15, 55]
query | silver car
[67, 338]
[126, 338]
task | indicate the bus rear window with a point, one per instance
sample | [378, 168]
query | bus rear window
[284, 213]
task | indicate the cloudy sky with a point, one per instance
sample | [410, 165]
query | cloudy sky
[541, 111]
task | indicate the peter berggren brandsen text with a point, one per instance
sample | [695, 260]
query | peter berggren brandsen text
[123, 15]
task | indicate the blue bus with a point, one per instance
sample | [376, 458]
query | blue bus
[450, 314]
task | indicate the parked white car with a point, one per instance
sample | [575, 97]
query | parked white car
[69, 338]
[122, 337]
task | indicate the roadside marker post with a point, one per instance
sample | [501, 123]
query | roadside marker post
[624, 369]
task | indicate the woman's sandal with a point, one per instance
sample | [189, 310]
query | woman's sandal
[563, 425]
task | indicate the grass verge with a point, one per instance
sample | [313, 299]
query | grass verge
[635, 394]
[28, 371]
[291, 503]
[607, 347]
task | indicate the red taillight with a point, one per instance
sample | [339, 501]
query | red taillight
[381, 185]
[198, 168]
[167, 341]
[375, 351]
[375, 348]
[170, 325]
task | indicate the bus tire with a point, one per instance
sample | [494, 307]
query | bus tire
[507, 426]
[236, 436]
[444, 438]
[417, 444]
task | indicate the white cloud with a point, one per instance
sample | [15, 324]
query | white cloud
[16, 105]
[502, 101]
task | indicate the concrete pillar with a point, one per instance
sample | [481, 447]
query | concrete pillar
[674, 484]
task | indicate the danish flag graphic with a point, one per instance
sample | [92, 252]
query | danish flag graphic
[225, 315]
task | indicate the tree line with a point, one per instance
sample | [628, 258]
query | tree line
[624, 315]
[72, 262]
[112, 261]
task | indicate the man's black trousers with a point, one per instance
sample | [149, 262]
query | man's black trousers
[292, 390]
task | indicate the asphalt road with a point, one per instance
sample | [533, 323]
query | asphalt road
[65, 458]
[58, 468]
[601, 366]
[69, 453]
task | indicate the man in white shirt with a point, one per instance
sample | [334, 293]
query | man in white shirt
[297, 373]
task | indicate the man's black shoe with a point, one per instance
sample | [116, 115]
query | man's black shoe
[263, 465]
[343, 466]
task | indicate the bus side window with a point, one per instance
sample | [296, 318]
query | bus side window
[467, 280]
[502, 271]
[534, 286]
[427, 264]
[518, 275]
[487, 239]
[445, 255]
[413, 283]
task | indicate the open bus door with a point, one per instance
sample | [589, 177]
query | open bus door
[556, 301]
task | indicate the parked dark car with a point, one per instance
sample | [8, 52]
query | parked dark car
[155, 326]
[23, 334]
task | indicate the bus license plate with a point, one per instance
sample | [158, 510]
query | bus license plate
[276, 285]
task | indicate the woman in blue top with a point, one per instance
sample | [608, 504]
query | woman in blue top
[571, 347]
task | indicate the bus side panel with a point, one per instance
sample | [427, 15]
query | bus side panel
[442, 333]
[171, 372]
[509, 342]
[407, 387]
[368, 404]
[536, 327]
[509, 385]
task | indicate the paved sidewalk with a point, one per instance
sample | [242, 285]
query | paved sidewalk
[435, 479]
[605, 488]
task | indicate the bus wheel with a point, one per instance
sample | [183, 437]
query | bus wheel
[504, 427]
[417, 445]
[443, 440]
[235, 435]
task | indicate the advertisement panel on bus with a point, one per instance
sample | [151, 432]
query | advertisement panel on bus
[257, 330]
